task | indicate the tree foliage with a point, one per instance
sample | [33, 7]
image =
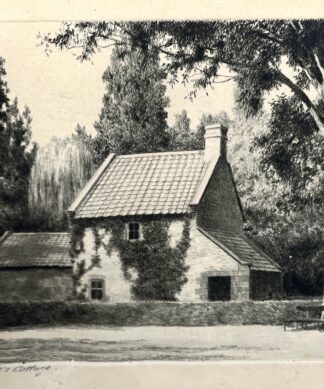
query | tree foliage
[262, 55]
[61, 169]
[133, 116]
[16, 158]
[292, 149]
[182, 137]
[285, 217]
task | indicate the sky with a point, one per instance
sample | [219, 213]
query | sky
[62, 92]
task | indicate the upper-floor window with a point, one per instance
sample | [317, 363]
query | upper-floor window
[133, 231]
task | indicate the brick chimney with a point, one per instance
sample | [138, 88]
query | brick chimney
[215, 141]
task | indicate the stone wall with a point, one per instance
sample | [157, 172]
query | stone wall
[116, 287]
[155, 313]
[35, 284]
[204, 259]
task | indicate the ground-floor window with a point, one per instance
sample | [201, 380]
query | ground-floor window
[97, 289]
[219, 288]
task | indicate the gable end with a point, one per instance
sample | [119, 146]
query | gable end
[220, 206]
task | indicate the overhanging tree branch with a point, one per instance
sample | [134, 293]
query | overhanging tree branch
[304, 98]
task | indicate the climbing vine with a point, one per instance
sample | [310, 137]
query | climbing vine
[160, 266]
[77, 246]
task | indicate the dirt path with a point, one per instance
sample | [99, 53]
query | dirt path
[160, 343]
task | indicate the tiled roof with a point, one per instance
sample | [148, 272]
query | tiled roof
[35, 250]
[246, 251]
[144, 184]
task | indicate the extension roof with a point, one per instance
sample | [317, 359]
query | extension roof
[144, 184]
[242, 249]
[43, 249]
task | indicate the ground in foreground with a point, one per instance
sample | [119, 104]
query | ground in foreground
[113, 344]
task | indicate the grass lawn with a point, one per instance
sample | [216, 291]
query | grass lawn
[95, 343]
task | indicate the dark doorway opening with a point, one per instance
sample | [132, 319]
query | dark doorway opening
[265, 285]
[219, 288]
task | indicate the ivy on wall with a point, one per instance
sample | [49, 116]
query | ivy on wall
[76, 247]
[160, 267]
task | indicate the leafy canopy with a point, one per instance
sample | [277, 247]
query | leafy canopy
[282, 199]
[182, 137]
[262, 55]
[133, 115]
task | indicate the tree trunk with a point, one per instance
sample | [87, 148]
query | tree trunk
[319, 122]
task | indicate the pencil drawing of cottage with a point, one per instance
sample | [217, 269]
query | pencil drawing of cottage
[194, 186]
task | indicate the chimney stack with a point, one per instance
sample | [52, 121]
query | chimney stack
[215, 141]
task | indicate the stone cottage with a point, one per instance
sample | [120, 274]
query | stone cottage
[193, 187]
[35, 266]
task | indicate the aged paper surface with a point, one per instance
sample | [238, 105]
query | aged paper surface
[171, 374]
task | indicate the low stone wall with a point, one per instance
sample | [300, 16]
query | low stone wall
[149, 314]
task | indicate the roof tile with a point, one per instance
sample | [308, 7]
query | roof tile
[145, 184]
[35, 250]
[245, 249]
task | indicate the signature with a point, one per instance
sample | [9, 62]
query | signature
[35, 369]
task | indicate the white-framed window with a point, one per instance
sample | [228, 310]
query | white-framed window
[97, 289]
[133, 231]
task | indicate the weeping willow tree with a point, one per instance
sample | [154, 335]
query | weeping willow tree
[61, 169]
